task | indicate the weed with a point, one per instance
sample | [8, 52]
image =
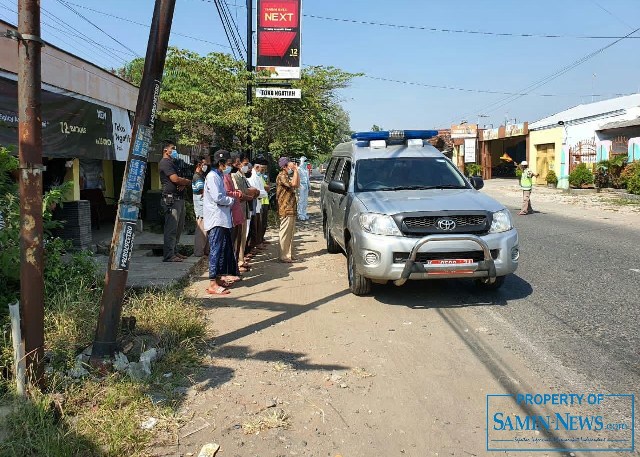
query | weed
[275, 419]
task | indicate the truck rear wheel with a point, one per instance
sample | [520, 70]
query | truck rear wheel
[358, 284]
[332, 246]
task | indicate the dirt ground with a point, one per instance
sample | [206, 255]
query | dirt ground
[299, 366]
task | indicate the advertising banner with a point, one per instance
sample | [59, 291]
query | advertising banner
[279, 38]
[470, 150]
[464, 131]
[71, 126]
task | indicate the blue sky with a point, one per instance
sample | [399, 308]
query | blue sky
[467, 61]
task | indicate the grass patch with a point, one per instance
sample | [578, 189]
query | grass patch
[624, 202]
[275, 419]
[102, 415]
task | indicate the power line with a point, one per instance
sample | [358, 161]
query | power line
[87, 20]
[146, 25]
[444, 30]
[547, 79]
[234, 49]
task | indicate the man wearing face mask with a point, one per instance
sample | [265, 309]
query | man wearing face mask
[172, 201]
[240, 164]
[287, 182]
[200, 247]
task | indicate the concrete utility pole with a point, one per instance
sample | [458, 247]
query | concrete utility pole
[30, 156]
[249, 69]
[104, 343]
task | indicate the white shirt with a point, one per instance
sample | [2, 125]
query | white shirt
[257, 182]
[217, 205]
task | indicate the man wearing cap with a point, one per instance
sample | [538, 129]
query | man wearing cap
[526, 183]
[287, 182]
[217, 223]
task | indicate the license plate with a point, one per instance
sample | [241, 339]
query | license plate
[450, 262]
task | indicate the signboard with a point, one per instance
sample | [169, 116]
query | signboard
[490, 134]
[470, 150]
[464, 131]
[124, 247]
[279, 38]
[278, 92]
[516, 130]
[71, 126]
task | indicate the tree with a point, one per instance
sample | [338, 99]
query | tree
[376, 128]
[205, 102]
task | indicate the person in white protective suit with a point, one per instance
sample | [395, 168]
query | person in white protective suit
[303, 192]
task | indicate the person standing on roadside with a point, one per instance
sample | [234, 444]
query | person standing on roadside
[200, 245]
[303, 191]
[240, 164]
[172, 202]
[217, 223]
[287, 182]
[255, 181]
[526, 184]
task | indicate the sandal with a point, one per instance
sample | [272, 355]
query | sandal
[218, 291]
[175, 258]
[244, 269]
[182, 256]
[285, 260]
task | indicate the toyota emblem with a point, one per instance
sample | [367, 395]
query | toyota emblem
[446, 224]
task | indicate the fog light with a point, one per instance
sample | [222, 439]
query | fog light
[371, 257]
[515, 253]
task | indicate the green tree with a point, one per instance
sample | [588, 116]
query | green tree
[205, 102]
[376, 128]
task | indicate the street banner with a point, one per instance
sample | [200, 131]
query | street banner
[469, 150]
[72, 125]
[278, 92]
[279, 38]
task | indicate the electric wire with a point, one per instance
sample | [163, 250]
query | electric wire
[146, 25]
[547, 79]
[97, 27]
[225, 7]
[233, 49]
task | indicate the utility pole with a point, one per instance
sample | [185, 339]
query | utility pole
[104, 343]
[250, 70]
[30, 157]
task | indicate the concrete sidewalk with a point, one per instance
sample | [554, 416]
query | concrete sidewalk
[147, 268]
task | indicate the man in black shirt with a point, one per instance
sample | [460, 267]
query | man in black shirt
[172, 201]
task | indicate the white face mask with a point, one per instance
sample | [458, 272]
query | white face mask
[245, 168]
[204, 168]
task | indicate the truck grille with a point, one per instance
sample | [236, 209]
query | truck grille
[423, 257]
[430, 221]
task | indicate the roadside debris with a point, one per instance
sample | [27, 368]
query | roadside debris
[149, 423]
[209, 450]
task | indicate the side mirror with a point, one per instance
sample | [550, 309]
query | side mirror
[337, 187]
[477, 182]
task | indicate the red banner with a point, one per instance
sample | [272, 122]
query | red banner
[279, 38]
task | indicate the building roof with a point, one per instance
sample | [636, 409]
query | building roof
[621, 124]
[611, 108]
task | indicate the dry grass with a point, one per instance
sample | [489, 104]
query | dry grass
[279, 366]
[275, 419]
[361, 373]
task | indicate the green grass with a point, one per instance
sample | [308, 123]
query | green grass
[101, 415]
[624, 202]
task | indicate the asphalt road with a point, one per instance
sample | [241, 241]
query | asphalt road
[575, 296]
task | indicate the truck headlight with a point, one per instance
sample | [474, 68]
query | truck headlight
[501, 222]
[379, 224]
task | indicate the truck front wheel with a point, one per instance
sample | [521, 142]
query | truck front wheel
[358, 284]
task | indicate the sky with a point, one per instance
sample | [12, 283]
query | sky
[469, 65]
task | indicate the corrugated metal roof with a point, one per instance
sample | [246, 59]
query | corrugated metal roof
[612, 107]
[621, 124]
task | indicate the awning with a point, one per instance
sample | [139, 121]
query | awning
[621, 124]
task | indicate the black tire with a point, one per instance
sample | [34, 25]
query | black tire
[358, 284]
[332, 246]
[486, 285]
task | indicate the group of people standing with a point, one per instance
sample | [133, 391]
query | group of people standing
[231, 204]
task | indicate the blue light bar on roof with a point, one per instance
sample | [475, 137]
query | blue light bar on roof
[395, 135]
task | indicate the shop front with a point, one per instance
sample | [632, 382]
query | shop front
[505, 142]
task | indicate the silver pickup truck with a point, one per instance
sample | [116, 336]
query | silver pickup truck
[399, 209]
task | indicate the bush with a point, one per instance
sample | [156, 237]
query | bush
[633, 184]
[580, 176]
[473, 169]
[551, 177]
[632, 169]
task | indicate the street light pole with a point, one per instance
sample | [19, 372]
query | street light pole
[104, 343]
[249, 70]
[30, 158]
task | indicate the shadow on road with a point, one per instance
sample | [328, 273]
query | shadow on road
[297, 360]
[451, 293]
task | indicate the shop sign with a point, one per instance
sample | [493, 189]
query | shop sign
[464, 131]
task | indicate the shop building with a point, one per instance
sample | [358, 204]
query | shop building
[510, 139]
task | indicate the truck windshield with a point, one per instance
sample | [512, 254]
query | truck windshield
[407, 173]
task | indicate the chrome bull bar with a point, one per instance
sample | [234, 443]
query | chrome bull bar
[411, 266]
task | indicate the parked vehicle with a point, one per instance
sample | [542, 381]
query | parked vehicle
[400, 210]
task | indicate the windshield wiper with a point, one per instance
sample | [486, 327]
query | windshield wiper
[447, 186]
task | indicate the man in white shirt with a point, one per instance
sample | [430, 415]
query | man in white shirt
[256, 181]
[217, 224]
